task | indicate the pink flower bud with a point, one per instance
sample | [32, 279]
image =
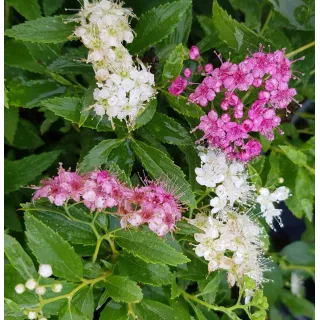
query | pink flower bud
[187, 72]
[208, 68]
[194, 53]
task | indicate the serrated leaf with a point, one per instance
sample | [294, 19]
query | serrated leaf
[87, 102]
[99, 154]
[16, 54]
[19, 172]
[50, 248]
[19, 258]
[141, 271]
[116, 171]
[31, 93]
[70, 312]
[175, 289]
[153, 310]
[234, 33]
[50, 7]
[148, 247]
[114, 310]
[83, 301]
[157, 24]
[43, 30]
[158, 165]
[11, 118]
[29, 9]
[184, 227]
[254, 176]
[296, 156]
[183, 106]
[72, 231]
[66, 107]
[27, 136]
[147, 114]
[213, 285]
[174, 63]
[168, 130]
[123, 289]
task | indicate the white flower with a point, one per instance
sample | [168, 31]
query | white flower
[32, 315]
[296, 284]
[57, 287]
[45, 270]
[40, 290]
[31, 284]
[19, 288]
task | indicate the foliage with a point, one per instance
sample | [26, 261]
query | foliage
[107, 272]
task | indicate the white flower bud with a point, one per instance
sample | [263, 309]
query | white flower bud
[20, 288]
[45, 270]
[31, 284]
[57, 287]
[32, 315]
[40, 290]
[281, 180]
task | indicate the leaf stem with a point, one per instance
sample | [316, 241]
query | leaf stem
[266, 22]
[305, 47]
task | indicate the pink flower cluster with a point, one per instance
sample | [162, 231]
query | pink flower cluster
[270, 72]
[150, 204]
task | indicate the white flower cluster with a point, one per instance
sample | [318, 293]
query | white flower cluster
[124, 86]
[44, 271]
[266, 199]
[234, 245]
[296, 284]
[229, 180]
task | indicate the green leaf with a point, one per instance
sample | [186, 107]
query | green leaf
[156, 24]
[234, 33]
[175, 289]
[16, 54]
[254, 176]
[252, 11]
[70, 312]
[50, 7]
[159, 166]
[197, 312]
[50, 248]
[296, 156]
[148, 247]
[184, 227]
[27, 136]
[122, 289]
[29, 9]
[153, 310]
[99, 154]
[65, 107]
[114, 310]
[12, 311]
[174, 63]
[115, 170]
[20, 172]
[12, 220]
[11, 118]
[168, 130]
[43, 30]
[298, 306]
[72, 231]
[31, 93]
[213, 285]
[299, 253]
[123, 156]
[147, 114]
[19, 258]
[300, 14]
[87, 102]
[274, 284]
[83, 301]
[141, 271]
[181, 105]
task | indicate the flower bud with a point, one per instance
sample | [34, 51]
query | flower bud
[57, 287]
[20, 288]
[32, 315]
[40, 290]
[31, 284]
[194, 53]
[45, 270]
[187, 72]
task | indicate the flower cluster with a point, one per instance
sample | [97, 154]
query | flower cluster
[45, 271]
[150, 204]
[125, 86]
[268, 72]
[229, 180]
[233, 245]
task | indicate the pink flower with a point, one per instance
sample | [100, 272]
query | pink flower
[187, 72]
[194, 53]
[177, 86]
